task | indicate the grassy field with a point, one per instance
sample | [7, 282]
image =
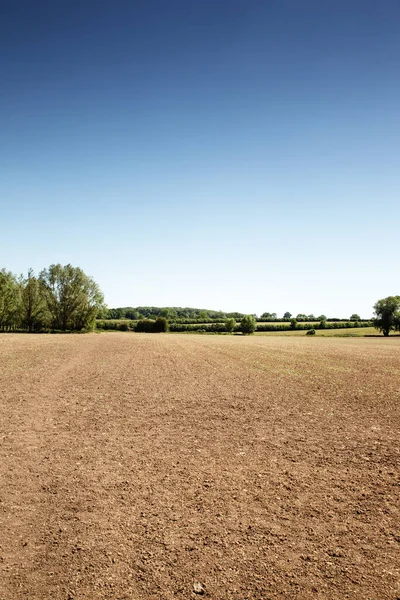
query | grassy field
[134, 466]
[353, 332]
[340, 332]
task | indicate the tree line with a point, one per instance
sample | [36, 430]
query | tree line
[245, 325]
[200, 315]
[173, 314]
[60, 298]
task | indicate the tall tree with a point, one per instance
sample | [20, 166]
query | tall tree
[10, 300]
[355, 317]
[73, 299]
[387, 313]
[33, 306]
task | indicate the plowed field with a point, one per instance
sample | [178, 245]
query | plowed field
[133, 466]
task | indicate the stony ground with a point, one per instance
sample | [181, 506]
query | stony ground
[149, 466]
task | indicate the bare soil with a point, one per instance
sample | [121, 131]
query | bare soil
[138, 466]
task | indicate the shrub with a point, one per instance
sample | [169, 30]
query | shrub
[107, 325]
[293, 323]
[160, 325]
[311, 332]
[230, 325]
[123, 327]
[248, 325]
[145, 326]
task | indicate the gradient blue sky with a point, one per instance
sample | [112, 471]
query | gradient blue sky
[235, 155]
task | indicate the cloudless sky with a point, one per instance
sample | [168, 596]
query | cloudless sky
[226, 154]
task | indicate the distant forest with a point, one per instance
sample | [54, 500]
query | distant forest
[178, 314]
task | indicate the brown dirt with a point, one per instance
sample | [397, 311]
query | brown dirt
[133, 466]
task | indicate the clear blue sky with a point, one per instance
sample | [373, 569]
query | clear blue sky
[227, 154]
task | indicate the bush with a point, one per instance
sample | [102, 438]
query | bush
[311, 332]
[145, 326]
[160, 325]
[248, 325]
[230, 325]
[107, 325]
[123, 327]
[293, 323]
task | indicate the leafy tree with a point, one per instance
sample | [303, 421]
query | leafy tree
[322, 324]
[248, 324]
[10, 300]
[321, 318]
[103, 313]
[301, 317]
[235, 315]
[72, 298]
[287, 315]
[116, 313]
[34, 314]
[293, 323]
[131, 313]
[168, 313]
[387, 313]
[311, 318]
[230, 325]
[269, 316]
[355, 317]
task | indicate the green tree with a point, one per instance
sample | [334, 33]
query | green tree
[248, 324]
[230, 325]
[168, 313]
[116, 313]
[293, 323]
[10, 300]
[73, 299]
[355, 317]
[387, 313]
[34, 314]
[287, 315]
[269, 316]
[104, 313]
[132, 313]
[266, 316]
